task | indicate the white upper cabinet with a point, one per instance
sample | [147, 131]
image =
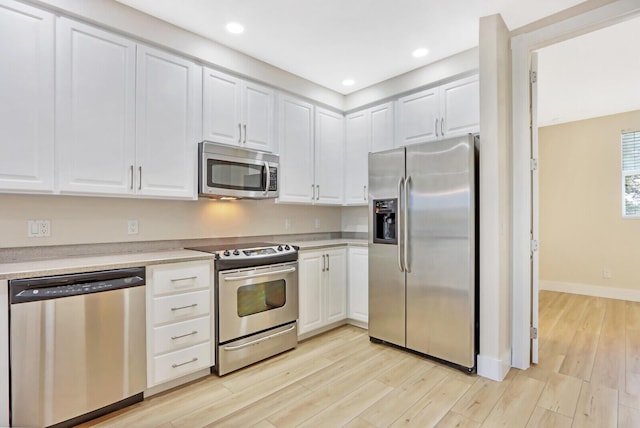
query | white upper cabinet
[168, 100]
[311, 153]
[27, 94]
[329, 160]
[237, 112]
[95, 110]
[461, 107]
[382, 127]
[357, 146]
[127, 124]
[370, 130]
[296, 150]
[445, 111]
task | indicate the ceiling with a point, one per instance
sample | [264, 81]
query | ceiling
[328, 41]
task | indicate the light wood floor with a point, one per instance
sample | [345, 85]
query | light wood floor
[588, 376]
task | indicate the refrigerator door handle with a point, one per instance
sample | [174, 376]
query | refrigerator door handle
[400, 229]
[407, 183]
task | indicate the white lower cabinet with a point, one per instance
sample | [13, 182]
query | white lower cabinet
[179, 320]
[322, 288]
[359, 284]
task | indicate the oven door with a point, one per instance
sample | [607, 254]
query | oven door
[256, 299]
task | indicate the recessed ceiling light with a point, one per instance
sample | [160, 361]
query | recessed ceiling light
[348, 82]
[235, 28]
[420, 52]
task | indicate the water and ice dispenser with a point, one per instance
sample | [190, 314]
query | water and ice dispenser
[384, 221]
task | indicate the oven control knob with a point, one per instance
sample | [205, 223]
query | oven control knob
[286, 247]
[236, 252]
[279, 247]
[226, 253]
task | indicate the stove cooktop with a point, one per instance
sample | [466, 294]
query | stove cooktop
[249, 250]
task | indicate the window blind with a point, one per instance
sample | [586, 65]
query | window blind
[631, 151]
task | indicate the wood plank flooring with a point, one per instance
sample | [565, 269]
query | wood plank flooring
[588, 376]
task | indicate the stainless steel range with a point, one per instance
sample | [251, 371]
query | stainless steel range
[256, 299]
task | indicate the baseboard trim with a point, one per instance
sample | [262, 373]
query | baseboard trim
[492, 368]
[591, 290]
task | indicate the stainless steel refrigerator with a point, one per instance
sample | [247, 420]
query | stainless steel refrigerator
[422, 249]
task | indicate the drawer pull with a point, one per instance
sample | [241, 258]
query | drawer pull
[184, 279]
[184, 335]
[193, 360]
[184, 307]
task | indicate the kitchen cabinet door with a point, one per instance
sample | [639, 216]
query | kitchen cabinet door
[335, 285]
[237, 112]
[95, 109]
[359, 284]
[310, 291]
[168, 112]
[418, 117]
[27, 119]
[221, 108]
[382, 127]
[296, 151]
[357, 143]
[258, 106]
[460, 106]
[329, 157]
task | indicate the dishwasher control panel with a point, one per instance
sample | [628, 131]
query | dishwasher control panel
[45, 288]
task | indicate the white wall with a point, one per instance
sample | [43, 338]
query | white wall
[355, 219]
[81, 220]
[494, 359]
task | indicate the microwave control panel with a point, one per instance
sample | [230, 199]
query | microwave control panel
[273, 179]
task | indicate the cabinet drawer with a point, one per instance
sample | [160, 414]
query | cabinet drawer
[179, 277]
[180, 363]
[181, 307]
[180, 335]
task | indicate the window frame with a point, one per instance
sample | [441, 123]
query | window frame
[624, 173]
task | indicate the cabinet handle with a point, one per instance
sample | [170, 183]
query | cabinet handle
[324, 263]
[193, 360]
[184, 307]
[183, 279]
[313, 192]
[364, 194]
[442, 126]
[239, 133]
[131, 177]
[184, 335]
[328, 264]
[245, 134]
[318, 192]
[140, 178]
[437, 135]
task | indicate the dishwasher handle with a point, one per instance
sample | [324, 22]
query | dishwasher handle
[53, 287]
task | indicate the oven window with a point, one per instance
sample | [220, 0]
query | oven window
[256, 298]
[235, 175]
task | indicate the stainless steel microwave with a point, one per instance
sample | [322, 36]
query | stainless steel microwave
[227, 172]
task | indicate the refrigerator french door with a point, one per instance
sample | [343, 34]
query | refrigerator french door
[422, 249]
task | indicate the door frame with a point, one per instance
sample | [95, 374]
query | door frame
[522, 47]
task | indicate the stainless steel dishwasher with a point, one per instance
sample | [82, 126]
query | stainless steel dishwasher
[77, 346]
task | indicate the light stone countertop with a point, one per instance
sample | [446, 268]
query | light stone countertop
[326, 243]
[36, 268]
[66, 265]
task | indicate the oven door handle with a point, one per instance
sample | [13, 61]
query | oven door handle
[262, 339]
[255, 275]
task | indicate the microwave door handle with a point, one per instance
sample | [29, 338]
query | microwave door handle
[266, 167]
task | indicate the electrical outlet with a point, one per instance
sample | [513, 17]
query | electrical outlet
[132, 227]
[38, 228]
[287, 224]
